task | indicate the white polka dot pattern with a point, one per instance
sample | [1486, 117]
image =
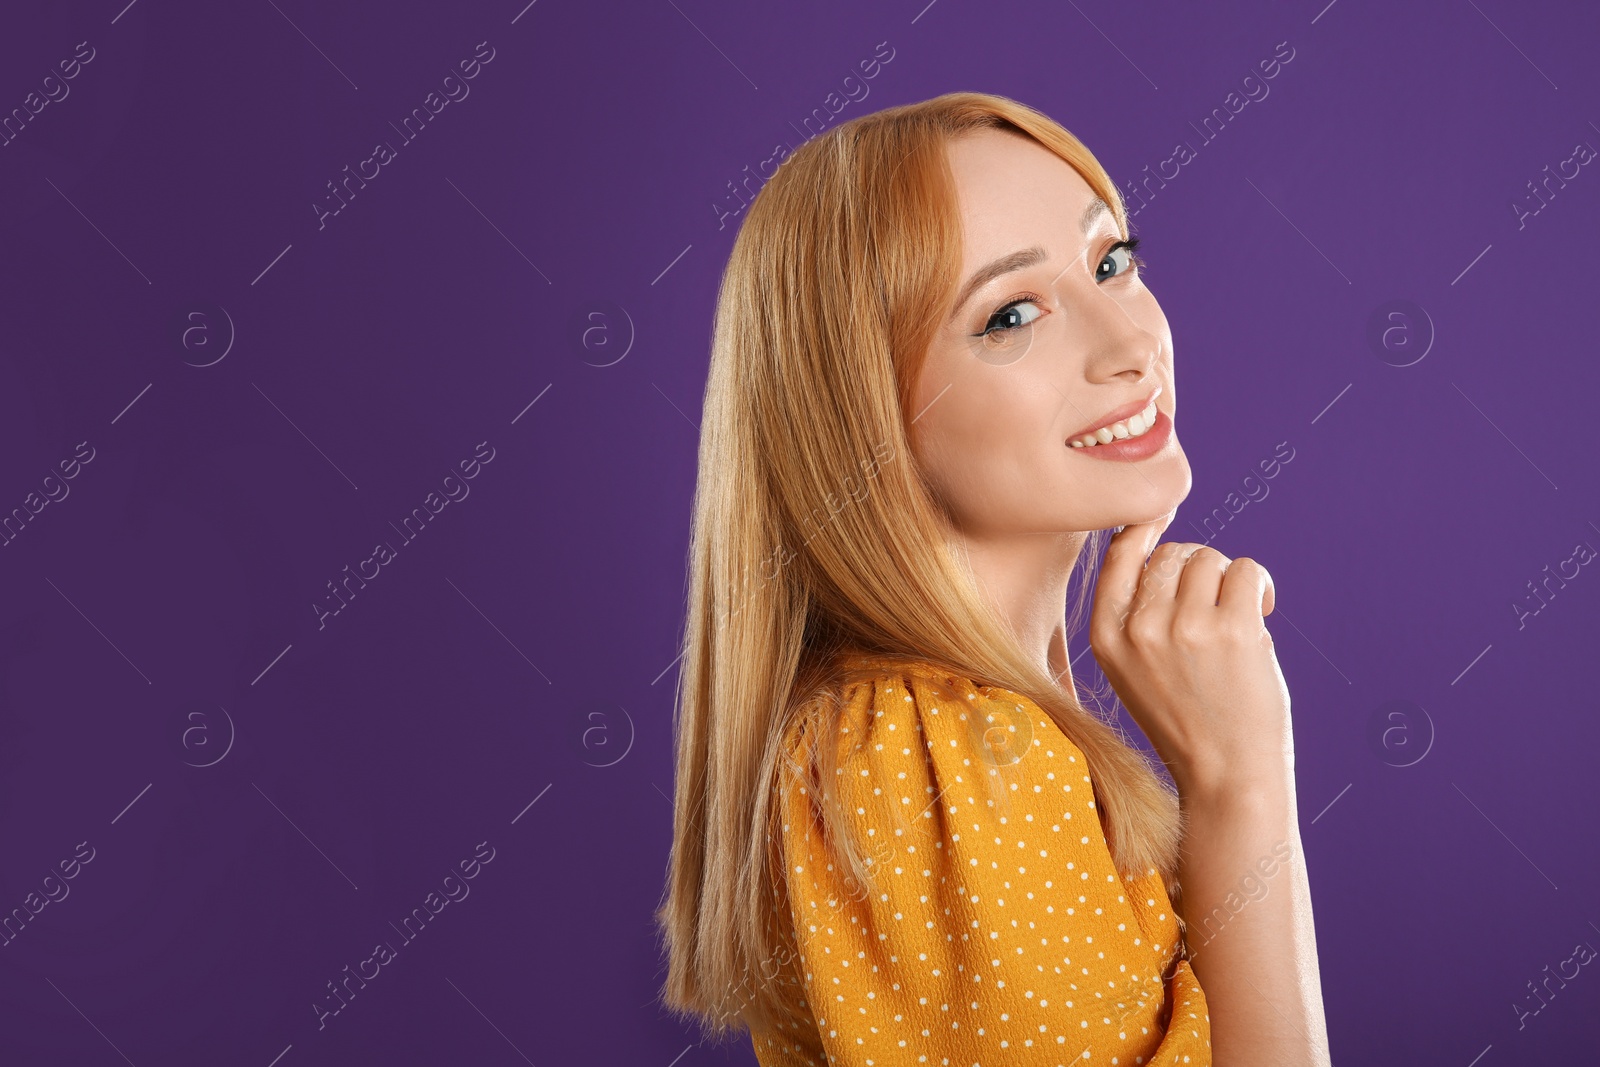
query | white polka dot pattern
[996, 929]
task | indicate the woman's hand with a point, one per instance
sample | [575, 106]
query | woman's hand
[1181, 640]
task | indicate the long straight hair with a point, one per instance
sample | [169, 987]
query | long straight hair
[813, 533]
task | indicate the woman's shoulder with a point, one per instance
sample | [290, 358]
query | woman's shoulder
[882, 693]
[885, 699]
[858, 666]
[970, 810]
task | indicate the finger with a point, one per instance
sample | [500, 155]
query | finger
[1201, 581]
[1247, 588]
[1121, 569]
[1161, 580]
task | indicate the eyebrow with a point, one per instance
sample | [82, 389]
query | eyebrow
[1026, 257]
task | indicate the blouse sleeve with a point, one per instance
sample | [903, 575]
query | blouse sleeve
[995, 928]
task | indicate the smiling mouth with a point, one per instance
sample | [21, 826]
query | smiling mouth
[1134, 426]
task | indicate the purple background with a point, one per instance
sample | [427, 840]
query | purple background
[553, 240]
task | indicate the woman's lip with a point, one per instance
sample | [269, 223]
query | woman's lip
[1127, 449]
[1127, 411]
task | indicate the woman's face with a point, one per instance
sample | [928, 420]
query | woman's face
[1061, 340]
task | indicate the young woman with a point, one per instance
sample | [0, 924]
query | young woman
[937, 381]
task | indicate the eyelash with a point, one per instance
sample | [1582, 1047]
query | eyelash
[1132, 245]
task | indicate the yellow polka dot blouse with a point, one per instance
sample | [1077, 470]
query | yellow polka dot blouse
[996, 929]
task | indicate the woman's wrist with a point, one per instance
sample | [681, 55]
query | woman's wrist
[1226, 794]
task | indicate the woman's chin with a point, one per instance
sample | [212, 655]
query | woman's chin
[1161, 491]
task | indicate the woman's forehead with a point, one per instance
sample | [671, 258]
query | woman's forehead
[1013, 192]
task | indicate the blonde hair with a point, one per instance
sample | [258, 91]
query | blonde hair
[813, 534]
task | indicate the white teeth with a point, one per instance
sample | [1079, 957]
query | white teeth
[1117, 431]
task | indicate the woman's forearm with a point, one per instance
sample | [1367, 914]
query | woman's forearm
[1246, 904]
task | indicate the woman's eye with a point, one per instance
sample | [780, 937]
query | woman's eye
[1011, 317]
[1122, 253]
